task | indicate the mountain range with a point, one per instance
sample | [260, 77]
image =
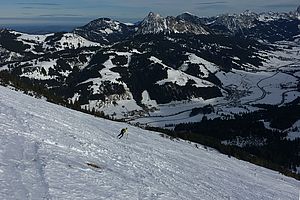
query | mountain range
[169, 71]
[269, 26]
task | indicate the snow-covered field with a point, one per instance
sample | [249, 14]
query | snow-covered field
[68, 40]
[45, 148]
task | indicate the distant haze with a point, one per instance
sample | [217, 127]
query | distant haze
[14, 13]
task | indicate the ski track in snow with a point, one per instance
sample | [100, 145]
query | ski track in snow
[44, 151]
[24, 167]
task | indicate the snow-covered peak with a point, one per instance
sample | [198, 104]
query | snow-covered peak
[188, 13]
[30, 37]
[187, 16]
[72, 40]
[105, 30]
[105, 25]
[153, 15]
[273, 16]
[249, 13]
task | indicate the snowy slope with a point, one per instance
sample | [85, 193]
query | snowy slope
[44, 149]
[72, 40]
[64, 41]
[179, 77]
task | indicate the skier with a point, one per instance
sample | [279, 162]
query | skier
[123, 131]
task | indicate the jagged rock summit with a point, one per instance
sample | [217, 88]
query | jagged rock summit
[154, 23]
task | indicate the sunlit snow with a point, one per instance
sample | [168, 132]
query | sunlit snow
[45, 150]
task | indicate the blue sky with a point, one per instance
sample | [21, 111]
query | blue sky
[81, 11]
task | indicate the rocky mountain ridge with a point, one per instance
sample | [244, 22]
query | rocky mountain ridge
[154, 23]
[247, 24]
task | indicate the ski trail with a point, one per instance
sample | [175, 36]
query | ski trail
[34, 173]
[13, 148]
[25, 163]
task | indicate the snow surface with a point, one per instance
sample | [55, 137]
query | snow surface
[294, 132]
[178, 112]
[37, 67]
[211, 67]
[146, 100]
[72, 40]
[31, 40]
[106, 31]
[127, 55]
[178, 77]
[205, 66]
[107, 74]
[45, 148]
[31, 37]
[68, 40]
[117, 106]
